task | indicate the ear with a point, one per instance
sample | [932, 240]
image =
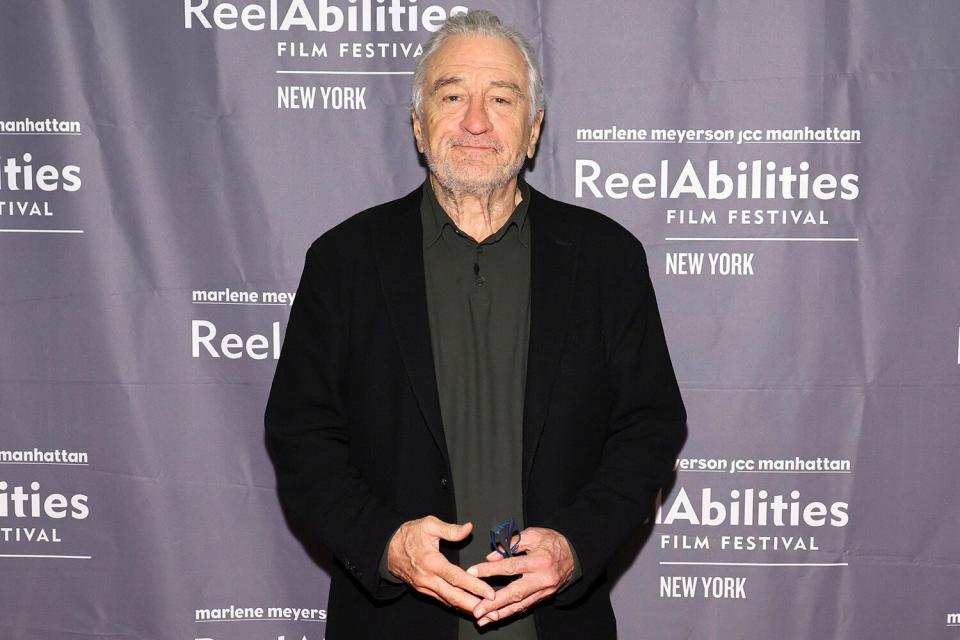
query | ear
[417, 131]
[535, 134]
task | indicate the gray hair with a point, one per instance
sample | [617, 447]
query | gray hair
[481, 23]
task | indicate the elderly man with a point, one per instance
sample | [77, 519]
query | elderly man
[472, 353]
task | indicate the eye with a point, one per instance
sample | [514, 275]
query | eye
[501, 100]
[451, 98]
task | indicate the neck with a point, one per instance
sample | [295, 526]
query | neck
[479, 215]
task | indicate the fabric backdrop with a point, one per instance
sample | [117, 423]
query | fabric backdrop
[791, 167]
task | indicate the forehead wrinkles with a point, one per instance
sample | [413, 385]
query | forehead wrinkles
[466, 57]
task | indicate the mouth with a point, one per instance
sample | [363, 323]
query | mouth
[475, 145]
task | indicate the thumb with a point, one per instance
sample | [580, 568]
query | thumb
[453, 531]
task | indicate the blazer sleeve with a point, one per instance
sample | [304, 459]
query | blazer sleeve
[307, 435]
[644, 433]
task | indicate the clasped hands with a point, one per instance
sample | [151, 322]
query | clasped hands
[414, 556]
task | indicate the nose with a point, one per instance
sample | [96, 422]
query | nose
[475, 118]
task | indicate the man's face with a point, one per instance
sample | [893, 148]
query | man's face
[476, 127]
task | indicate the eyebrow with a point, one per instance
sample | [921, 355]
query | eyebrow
[504, 84]
[442, 82]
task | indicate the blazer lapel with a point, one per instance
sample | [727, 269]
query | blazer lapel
[398, 247]
[553, 245]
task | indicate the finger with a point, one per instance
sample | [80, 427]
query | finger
[433, 594]
[513, 593]
[454, 596]
[517, 607]
[448, 530]
[462, 603]
[457, 577]
[429, 592]
[529, 539]
[505, 567]
[446, 597]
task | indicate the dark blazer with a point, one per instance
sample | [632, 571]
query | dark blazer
[353, 421]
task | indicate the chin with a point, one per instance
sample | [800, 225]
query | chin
[469, 182]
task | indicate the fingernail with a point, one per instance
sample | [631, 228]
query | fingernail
[472, 571]
[483, 621]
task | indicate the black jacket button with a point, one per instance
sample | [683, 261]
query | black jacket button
[443, 483]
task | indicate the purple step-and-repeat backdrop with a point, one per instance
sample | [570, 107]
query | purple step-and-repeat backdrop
[791, 167]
